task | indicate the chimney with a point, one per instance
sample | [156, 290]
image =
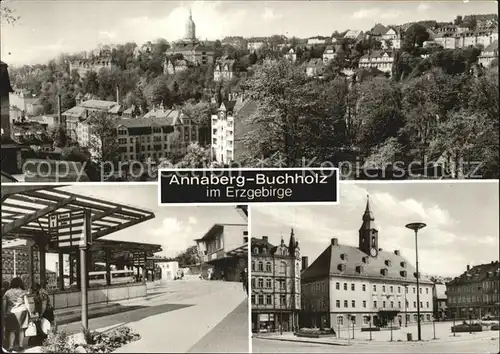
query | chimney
[335, 241]
[59, 113]
[397, 253]
[264, 238]
[117, 95]
[305, 262]
[468, 267]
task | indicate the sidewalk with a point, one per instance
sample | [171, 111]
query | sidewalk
[381, 338]
[236, 324]
[177, 331]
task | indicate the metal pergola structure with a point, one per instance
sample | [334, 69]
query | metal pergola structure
[25, 215]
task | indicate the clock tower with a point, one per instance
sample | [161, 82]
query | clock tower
[368, 234]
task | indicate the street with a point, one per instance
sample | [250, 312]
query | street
[180, 315]
[481, 345]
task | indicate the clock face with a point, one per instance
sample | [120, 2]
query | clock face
[373, 252]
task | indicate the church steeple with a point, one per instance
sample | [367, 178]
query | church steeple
[190, 28]
[368, 233]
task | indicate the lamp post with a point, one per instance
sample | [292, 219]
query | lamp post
[415, 226]
[406, 306]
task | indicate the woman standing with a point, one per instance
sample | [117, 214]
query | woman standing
[15, 308]
[45, 311]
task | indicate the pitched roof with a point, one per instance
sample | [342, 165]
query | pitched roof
[158, 116]
[379, 29]
[491, 48]
[358, 264]
[477, 274]
[98, 104]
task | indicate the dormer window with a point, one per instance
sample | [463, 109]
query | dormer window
[341, 267]
[365, 260]
[383, 271]
[403, 273]
[359, 269]
[256, 250]
[343, 256]
[387, 262]
[403, 264]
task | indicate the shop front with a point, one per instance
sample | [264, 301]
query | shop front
[272, 322]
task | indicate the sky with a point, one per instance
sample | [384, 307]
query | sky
[461, 218]
[174, 228]
[49, 27]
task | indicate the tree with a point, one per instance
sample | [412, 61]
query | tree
[415, 36]
[8, 15]
[201, 114]
[196, 157]
[188, 257]
[103, 145]
[389, 152]
[59, 136]
[90, 83]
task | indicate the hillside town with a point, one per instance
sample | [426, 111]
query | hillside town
[116, 109]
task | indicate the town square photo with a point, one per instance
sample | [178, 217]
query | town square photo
[102, 268]
[112, 91]
[399, 267]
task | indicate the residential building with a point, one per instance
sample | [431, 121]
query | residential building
[380, 59]
[291, 55]
[439, 301]
[173, 66]
[475, 293]
[449, 40]
[315, 67]
[482, 20]
[25, 101]
[392, 38]
[329, 54]
[316, 40]
[352, 284]
[31, 134]
[191, 49]
[93, 64]
[229, 126]
[255, 44]
[378, 31]
[276, 291]
[226, 69]
[75, 119]
[488, 54]
[225, 247]
[354, 35]
[159, 134]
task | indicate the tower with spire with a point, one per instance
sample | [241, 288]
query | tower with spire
[368, 233]
[190, 35]
[293, 245]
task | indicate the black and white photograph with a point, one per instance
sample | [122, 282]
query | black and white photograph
[112, 91]
[393, 268]
[102, 268]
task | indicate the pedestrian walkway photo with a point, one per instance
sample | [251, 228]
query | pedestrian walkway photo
[167, 279]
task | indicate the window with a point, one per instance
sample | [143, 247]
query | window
[427, 304]
[256, 250]
[269, 299]
[337, 303]
[260, 282]
[428, 317]
[374, 304]
[253, 282]
[253, 299]
[399, 304]
[364, 304]
[261, 267]
[268, 283]
[420, 289]
[340, 320]
[414, 290]
[383, 289]
[353, 287]
[337, 285]
[383, 304]
[353, 303]
[283, 300]
[345, 286]
[261, 299]
[363, 287]
[392, 304]
[366, 320]
[253, 266]
[414, 304]
[269, 267]
[427, 291]
[374, 288]
[391, 289]
[399, 289]
[282, 284]
[346, 303]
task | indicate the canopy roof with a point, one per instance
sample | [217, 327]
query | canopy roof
[26, 209]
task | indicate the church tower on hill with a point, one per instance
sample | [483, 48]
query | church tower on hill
[368, 233]
[190, 35]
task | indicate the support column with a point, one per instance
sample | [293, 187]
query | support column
[61, 270]
[78, 272]
[88, 261]
[43, 264]
[71, 269]
[144, 271]
[31, 268]
[108, 267]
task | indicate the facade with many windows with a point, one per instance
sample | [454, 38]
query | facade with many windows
[275, 285]
[475, 293]
[347, 283]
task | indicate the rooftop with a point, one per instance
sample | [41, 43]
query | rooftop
[477, 274]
